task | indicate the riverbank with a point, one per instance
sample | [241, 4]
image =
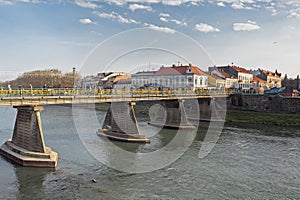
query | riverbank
[254, 117]
[236, 115]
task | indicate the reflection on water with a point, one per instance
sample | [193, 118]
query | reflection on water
[31, 182]
[248, 162]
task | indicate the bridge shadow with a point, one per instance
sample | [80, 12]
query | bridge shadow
[31, 182]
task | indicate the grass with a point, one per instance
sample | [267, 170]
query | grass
[282, 119]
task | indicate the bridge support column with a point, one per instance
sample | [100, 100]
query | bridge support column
[120, 124]
[27, 146]
[175, 118]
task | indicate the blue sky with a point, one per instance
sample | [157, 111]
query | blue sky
[40, 34]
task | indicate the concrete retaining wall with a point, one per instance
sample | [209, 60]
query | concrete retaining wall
[271, 103]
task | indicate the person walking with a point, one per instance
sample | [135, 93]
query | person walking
[9, 90]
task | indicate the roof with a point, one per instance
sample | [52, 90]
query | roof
[145, 73]
[240, 69]
[269, 73]
[215, 77]
[225, 74]
[176, 70]
[258, 80]
[118, 78]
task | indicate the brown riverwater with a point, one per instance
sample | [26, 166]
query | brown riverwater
[248, 162]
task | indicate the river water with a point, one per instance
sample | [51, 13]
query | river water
[248, 162]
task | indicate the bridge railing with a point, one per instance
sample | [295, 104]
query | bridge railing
[25, 92]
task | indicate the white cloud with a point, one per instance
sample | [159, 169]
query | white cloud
[167, 19]
[164, 19]
[180, 2]
[221, 4]
[6, 2]
[249, 26]
[206, 28]
[164, 2]
[164, 15]
[134, 7]
[115, 16]
[86, 4]
[182, 23]
[30, 1]
[86, 21]
[294, 13]
[159, 28]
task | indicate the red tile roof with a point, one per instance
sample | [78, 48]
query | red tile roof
[258, 80]
[225, 74]
[269, 73]
[240, 69]
[183, 70]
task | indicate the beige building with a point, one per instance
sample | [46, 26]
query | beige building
[273, 79]
[228, 81]
[244, 77]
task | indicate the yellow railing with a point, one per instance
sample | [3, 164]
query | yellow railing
[100, 92]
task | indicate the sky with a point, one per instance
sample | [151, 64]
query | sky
[123, 35]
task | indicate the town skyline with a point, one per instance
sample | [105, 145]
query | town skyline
[251, 34]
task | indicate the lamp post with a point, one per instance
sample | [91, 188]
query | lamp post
[51, 77]
[74, 71]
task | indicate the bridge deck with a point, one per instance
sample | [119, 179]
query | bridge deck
[24, 97]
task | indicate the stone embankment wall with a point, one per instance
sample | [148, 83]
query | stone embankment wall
[271, 103]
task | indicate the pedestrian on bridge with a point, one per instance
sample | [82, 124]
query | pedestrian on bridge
[9, 90]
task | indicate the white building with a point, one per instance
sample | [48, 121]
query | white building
[244, 77]
[175, 77]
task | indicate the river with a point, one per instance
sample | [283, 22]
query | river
[247, 162]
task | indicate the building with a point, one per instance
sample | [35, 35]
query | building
[291, 84]
[122, 82]
[175, 77]
[215, 81]
[91, 82]
[273, 79]
[230, 82]
[258, 85]
[143, 79]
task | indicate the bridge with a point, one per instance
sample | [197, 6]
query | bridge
[27, 146]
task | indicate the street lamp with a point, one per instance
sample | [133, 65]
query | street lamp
[51, 77]
[74, 76]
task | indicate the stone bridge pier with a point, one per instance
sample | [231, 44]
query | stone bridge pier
[175, 118]
[120, 124]
[27, 146]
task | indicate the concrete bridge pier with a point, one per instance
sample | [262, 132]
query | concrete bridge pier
[212, 109]
[175, 118]
[120, 124]
[27, 146]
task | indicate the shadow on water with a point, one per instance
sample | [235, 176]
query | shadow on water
[31, 182]
[159, 140]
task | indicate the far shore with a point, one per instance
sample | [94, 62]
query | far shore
[268, 118]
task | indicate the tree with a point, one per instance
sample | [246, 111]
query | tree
[51, 78]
